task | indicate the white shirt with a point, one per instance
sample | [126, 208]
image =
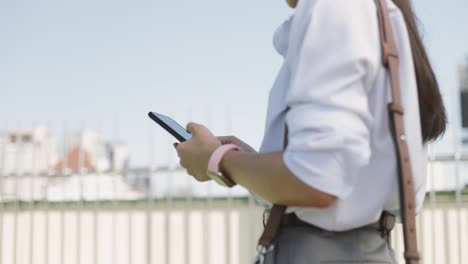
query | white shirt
[337, 89]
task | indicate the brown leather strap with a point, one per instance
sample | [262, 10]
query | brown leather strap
[274, 218]
[407, 196]
[272, 225]
[391, 61]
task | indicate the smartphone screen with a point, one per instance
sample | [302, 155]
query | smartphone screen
[171, 126]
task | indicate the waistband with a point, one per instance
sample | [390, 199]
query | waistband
[384, 225]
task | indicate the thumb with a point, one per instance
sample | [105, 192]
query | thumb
[193, 128]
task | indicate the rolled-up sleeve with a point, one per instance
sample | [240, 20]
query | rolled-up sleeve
[328, 119]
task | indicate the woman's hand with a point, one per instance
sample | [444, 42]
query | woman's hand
[263, 174]
[234, 140]
[195, 152]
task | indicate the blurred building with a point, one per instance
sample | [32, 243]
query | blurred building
[87, 151]
[34, 151]
[29, 156]
[463, 80]
[27, 151]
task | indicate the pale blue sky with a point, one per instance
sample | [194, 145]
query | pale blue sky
[104, 64]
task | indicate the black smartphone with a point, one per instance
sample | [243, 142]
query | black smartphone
[171, 126]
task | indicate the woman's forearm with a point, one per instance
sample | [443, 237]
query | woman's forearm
[267, 176]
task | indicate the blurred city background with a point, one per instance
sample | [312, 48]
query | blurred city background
[87, 177]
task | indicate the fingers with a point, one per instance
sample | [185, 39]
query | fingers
[182, 164]
[191, 173]
[195, 174]
[193, 127]
[227, 139]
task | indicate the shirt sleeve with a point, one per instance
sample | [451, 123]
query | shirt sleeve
[329, 120]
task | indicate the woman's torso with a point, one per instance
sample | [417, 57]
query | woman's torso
[374, 185]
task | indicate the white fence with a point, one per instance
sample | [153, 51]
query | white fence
[162, 216]
[180, 231]
[105, 218]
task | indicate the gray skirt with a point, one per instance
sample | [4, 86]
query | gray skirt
[311, 245]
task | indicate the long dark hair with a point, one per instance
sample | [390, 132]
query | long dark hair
[431, 106]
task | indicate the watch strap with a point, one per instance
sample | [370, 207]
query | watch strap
[215, 160]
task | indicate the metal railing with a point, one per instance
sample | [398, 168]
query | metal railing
[108, 217]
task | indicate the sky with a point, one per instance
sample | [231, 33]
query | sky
[103, 64]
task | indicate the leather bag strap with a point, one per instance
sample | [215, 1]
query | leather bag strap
[274, 218]
[407, 195]
[391, 61]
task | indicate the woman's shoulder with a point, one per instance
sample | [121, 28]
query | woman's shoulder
[351, 21]
[337, 9]
[346, 30]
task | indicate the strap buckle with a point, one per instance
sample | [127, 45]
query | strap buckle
[265, 249]
[386, 223]
[266, 215]
[261, 253]
[411, 255]
[389, 51]
[396, 107]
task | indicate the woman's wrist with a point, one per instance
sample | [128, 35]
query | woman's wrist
[224, 164]
[227, 165]
[215, 170]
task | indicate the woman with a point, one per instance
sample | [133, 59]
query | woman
[338, 173]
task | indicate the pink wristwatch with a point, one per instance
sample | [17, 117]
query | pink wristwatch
[213, 165]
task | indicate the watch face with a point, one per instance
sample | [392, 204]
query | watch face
[214, 176]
